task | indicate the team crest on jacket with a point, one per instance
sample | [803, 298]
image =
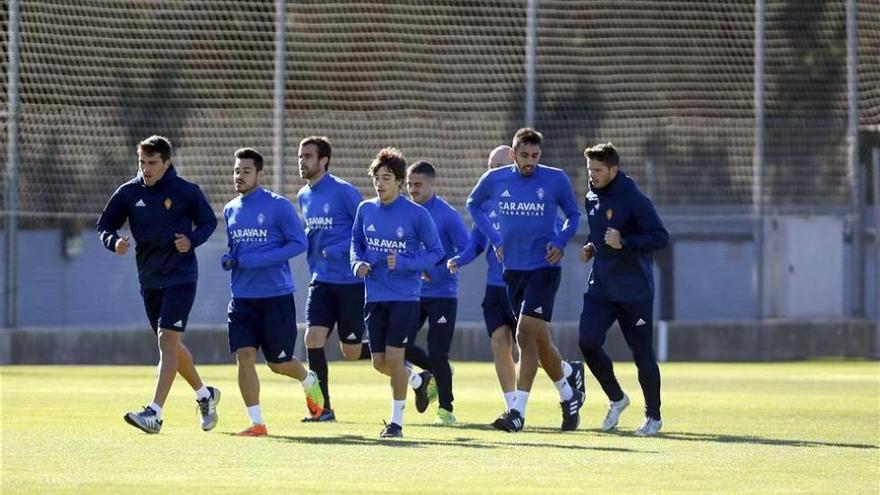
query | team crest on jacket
[400, 232]
[261, 218]
[540, 193]
[609, 213]
[326, 208]
[167, 203]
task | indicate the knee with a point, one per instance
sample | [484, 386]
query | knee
[379, 363]
[350, 352]
[246, 356]
[315, 338]
[168, 340]
[276, 367]
[501, 342]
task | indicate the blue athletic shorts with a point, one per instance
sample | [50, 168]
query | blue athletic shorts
[391, 323]
[532, 292]
[268, 323]
[497, 310]
[169, 307]
[341, 305]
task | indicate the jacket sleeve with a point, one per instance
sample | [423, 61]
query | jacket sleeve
[569, 206]
[475, 201]
[292, 232]
[203, 217]
[476, 245]
[426, 258]
[340, 250]
[112, 219]
[358, 249]
[652, 234]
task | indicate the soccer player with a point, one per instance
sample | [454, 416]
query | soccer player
[497, 312]
[263, 232]
[161, 209]
[336, 296]
[528, 195]
[393, 241]
[624, 230]
[439, 295]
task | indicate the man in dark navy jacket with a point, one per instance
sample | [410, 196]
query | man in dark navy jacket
[168, 217]
[624, 230]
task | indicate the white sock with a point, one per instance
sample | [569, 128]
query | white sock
[415, 380]
[522, 399]
[203, 393]
[566, 369]
[510, 399]
[397, 407]
[158, 409]
[309, 380]
[565, 391]
[255, 414]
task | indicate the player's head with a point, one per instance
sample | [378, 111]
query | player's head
[154, 158]
[248, 170]
[499, 157]
[526, 150]
[314, 157]
[388, 171]
[603, 163]
[420, 181]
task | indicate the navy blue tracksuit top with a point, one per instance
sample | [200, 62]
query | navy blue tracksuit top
[623, 274]
[155, 214]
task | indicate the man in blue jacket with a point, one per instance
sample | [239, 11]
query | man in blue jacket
[161, 209]
[336, 296]
[393, 241]
[528, 196]
[263, 232]
[624, 230]
[439, 296]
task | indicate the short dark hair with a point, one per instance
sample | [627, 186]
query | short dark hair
[527, 135]
[605, 153]
[393, 159]
[422, 167]
[323, 145]
[252, 154]
[156, 144]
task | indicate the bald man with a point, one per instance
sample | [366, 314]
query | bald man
[497, 311]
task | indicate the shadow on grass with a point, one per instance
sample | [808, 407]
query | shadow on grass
[720, 438]
[463, 442]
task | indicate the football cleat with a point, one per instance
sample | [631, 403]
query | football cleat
[576, 378]
[651, 427]
[614, 410]
[327, 415]
[208, 409]
[444, 418]
[255, 430]
[391, 430]
[422, 398]
[314, 397]
[146, 420]
[571, 417]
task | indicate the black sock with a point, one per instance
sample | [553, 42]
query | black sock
[318, 364]
[365, 351]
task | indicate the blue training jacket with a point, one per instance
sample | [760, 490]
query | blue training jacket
[329, 207]
[263, 232]
[623, 274]
[402, 227]
[454, 237]
[527, 211]
[155, 213]
[478, 243]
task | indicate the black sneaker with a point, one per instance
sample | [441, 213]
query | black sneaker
[146, 420]
[422, 398]
[576, 378]
[511, 421]
[391, 430]
[571, 417]
[327, 416]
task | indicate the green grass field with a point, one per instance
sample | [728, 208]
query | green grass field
[728, 428]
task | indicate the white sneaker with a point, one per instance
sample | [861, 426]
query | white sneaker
[208, 409]
[651, 427]
[614, 410]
